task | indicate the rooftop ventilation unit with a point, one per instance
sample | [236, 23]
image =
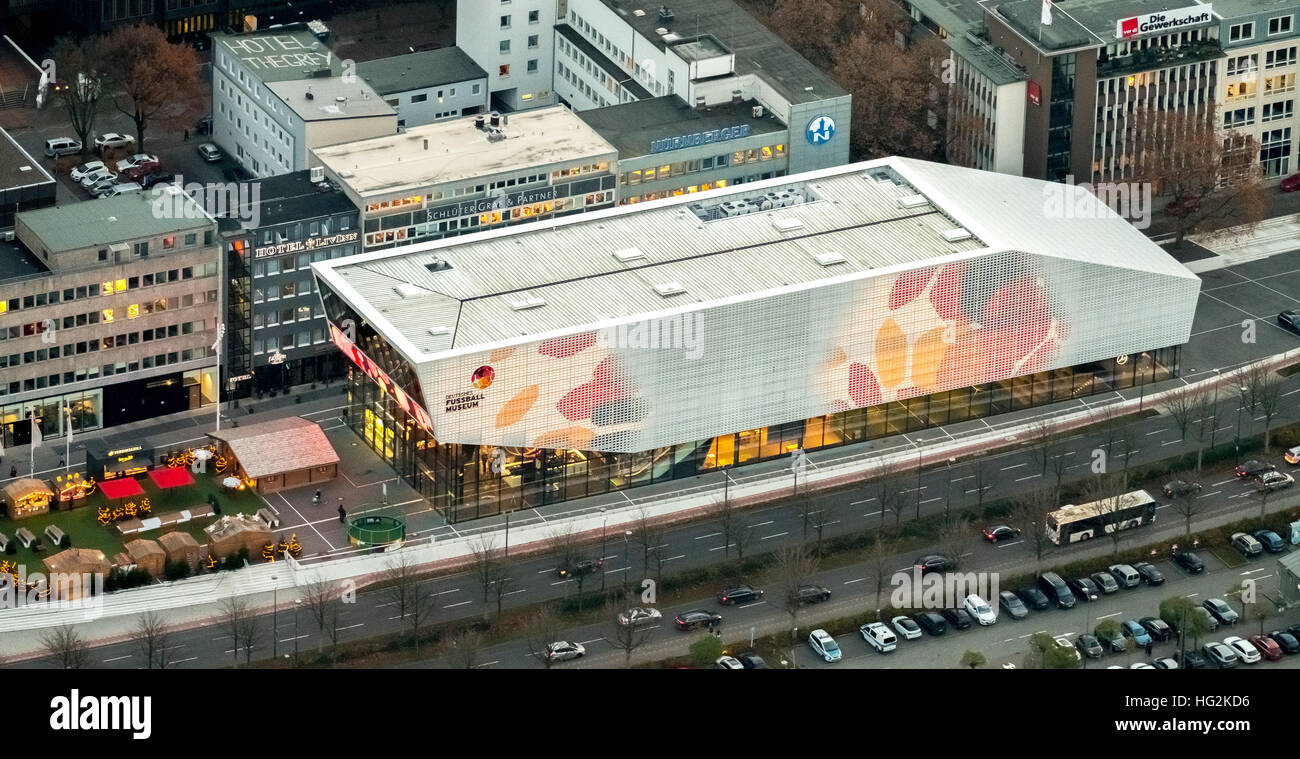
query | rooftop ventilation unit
[629, 254]
[667, 289]
[787, 225]
[913, 201]
[317, 174]
[638, 12]
[408, 290]
[956, 235]
[831, 258]
[757, 112]
[665, 15]
[525, 302]
[437, 264]
[439, 331]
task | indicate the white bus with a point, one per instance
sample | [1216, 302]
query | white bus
[1076, 522]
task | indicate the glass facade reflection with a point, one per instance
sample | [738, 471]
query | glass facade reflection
[468, 481]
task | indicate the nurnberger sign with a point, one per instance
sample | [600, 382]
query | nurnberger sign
[311, 243]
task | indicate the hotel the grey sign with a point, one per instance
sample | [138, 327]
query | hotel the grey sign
[311, 243]
[489, 204]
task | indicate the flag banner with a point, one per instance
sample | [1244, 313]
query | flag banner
[1047, 12]
[36, 433]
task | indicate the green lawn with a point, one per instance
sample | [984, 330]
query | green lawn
[82, 525]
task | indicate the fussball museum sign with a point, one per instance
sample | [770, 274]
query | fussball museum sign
[1165, 21]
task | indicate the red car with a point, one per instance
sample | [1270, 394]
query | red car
[136, 173]
[1268, 648]
[1291, 183]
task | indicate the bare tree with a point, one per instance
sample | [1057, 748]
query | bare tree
[650, 536]
[1029, 512]
[987, 477]
[250, 634]
[1207, 418]
[568, 553]
[891, 485]
[400, 583]
[542, 629]
[626, 638]
[151, 79]
[65, 647]
[1109, 422]
[728, 519]
[483, 550]
[233, 612]
[805, 510]
[795, 565]
[824, 518]
[502, 580]
[879, 555]
[79, 85]
[323, 608]
[464, 648]
[744, 539]
[151, 640]
[1262, 495]
[1266, 392]
[956, 536]
[1182, 406]
[1186, 501]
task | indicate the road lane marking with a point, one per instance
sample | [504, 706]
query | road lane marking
[1015, 466]
[778, 535]
[1030, 477]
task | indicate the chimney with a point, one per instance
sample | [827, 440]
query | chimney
[699, 103]
[505, 119]
[478, 122]
[735, 97]
[495, 120]
[665, 15]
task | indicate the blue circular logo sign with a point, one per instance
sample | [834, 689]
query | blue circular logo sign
[820, 130]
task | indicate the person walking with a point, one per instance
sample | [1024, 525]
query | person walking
[1149, 645]
[13, 471]
[316, 499]
[343, 514]
[187, 135]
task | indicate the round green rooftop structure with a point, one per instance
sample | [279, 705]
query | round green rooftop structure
[373, 530]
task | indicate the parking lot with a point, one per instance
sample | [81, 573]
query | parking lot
[1254, 290]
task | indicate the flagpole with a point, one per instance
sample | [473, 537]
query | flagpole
[67, 455]
[35, 442]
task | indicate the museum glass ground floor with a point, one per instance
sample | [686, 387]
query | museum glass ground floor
[462, 482]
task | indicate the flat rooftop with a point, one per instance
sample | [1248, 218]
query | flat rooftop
[1083, 23]
[453, 151]
[631, 127]
[330, 99]
[280, 54]
[758, 49]
[104, 221]
[17, 263]
[879, 216]
[18, 168]
[415, 71]
[293, 197]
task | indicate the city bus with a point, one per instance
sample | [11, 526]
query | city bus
[1076, 522]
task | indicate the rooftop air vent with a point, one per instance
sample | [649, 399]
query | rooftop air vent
[525, 302]
[629, 254]
[317, 174]
[408, 290]
[913, 201]
[439, 330]
[956, 235]
[437, 264]
[638, 13]
[667, 289]
[787, 225]
[830, 258]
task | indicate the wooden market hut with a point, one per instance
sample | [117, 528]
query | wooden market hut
[180, 546]
[66, 571]
[229, 534]
[147, 555]
[27, 497]
[278, 455]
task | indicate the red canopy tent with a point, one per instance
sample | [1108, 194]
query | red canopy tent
[123, 487]
[172, 477]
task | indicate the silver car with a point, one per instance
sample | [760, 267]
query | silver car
[640, 615]
[563, 650]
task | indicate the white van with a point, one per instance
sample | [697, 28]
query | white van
[880, 637]
[61, 146]
[1125, 575]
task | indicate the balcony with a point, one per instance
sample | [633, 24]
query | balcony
[1151, 58]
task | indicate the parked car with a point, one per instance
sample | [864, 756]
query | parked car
[121, 188]
[1221, 611]
[1294, 630]
[1271, 541]
[935, 562]
[1290, 319]
[640, 615]
[1274, 481]
[578, 567]
[1140, 665]
[824, 645]
[1089, 646]
[1125, 575]
[810, 594]
[1290, 184]
[906, 627]
[1115, 642]
[1244, 650]
[1034, 598]
[1191, 659]
[978, 608]
[1105, 581]
[740, 594]
[1175, 488]
[1253, 468]
[136, 161]
[1220, 655]
[728, 662]
[1064, 642]
[879, 637]
[79, 173]
[1292, 455]
[696, 618]
[1157, 628]
[1266, 646]
[97, 176]
[1189, 561]
[1011, 604]
[1165, 662]
[1246, 544]
[958, 618]
[61, 146]
[563, 650]
[1287, 642]
[1000, 532]
[931, 622]
[203, 125]
[113, 140]
[136, 173]
[99, 188]
[1085, 589]
[752, 661]
[1211, 624]
[1055, 589]
[149, 180]
[1131, 628]
[1149, 574]
[210, 152]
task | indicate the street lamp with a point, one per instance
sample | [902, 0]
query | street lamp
[1214, 407]
[1237, 442]
[297, 604]
[275, 635]
[947, 506]
[919, 441]
[604, 519]
[627, 534]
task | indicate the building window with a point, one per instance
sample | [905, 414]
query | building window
[534, 17]
[532, 66]
[503, 70]
[505, 47]
[1284, 109]
[1241, 32]
[505, 22]
[422, 97]
[1279, 25]
[532, 42]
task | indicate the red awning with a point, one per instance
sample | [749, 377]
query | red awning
[172, 477]
[122, 487]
